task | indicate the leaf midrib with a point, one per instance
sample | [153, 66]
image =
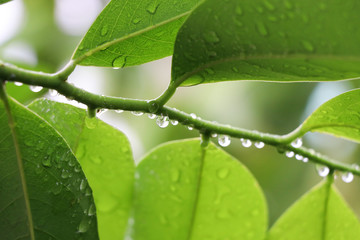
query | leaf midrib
[11, 122]
[131, 35]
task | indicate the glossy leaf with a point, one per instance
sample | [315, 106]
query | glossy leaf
[269, 40]
[105, 156]
[133, 32]
[185, 192]
[38, 168]
[339, 117]
[321, 214]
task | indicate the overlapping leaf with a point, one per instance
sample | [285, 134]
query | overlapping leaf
[104, 154]
[185, 192]
[339, 116]
[269, 40]
[133, 32]
[4, 1]
[44, 193]
[320, 215]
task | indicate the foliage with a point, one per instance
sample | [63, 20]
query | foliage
[65, 174]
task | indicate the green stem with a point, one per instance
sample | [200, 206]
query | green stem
[57, 81]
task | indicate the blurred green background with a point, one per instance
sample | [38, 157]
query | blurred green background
[42, 35]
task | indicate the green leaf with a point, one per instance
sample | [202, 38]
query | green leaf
[269, 40]
[339, 117]
[4, 1]
[320, 214]
[44, 193]
[129, 33]
[185, 192]
[105, 156]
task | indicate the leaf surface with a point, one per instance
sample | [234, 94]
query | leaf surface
[269, 40]
[321, 214]
[185, 192]
[129, 33]
[339, 116]
[105, 156]
[44, 193]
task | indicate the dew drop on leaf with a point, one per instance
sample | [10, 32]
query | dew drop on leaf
[308, 46]
[84, 225]
[211, 37]
[175, 175]
[53, 93]
[119, 62]
[190, 128]
[261, 28]
[151, 116]
[104, 30]
[153, 106]
[36, 88]
[305, 160]
[323, 171]
[46, 161]
[152, 7]
[92, 210]
[119, 111]
[91, 123]
[223, 173]
[83, 185]
[299, 157]
[259, 145]
[347, 177]
[136, 20]
[57, 188]
[297, 143]
[224, 140]
[18, 84]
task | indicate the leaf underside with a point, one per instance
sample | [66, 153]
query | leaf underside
[339, 116]
[60, 200]
[269, 40]
[184, 192]
[106, 158]
[134, 32]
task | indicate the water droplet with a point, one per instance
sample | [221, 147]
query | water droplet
[222, 173]
[299, 157]
[297, 143]
[261, 28]
[153, 106]
[57, 188]
[211, 37]
[119, 111]
[151, 116]
[246, 143]
[174, 122]
[259, 145]
[289, 154]
[18, 84]
[65, 173]
[92, 210]
[357, 167]
[224, 140]
[119, 62]
[137, 113]
[152, 7]
[347, 177]
[190, 128]
[235, 69]
[162, 121]
[323, 171]
[308, 46]
[36, 88]
[214, 135]
[84, 225]
[238, 10]
[91, 123]
[46, 161]
[83, 185]
[305, 160]
[136, 20]
[175, 175]
[104, 30]
[53, 93]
